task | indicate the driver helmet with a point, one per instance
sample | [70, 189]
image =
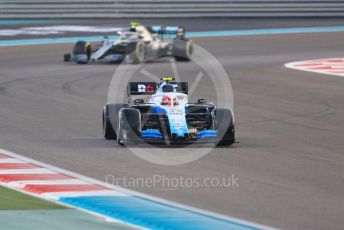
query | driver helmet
[167, 88]
[133, 26]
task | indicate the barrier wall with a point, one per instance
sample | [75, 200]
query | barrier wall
[24, 9]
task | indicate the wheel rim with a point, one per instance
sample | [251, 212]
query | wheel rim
[104, 124]
[120, 139]
[123, 137]
[140, 53]
[189, 49]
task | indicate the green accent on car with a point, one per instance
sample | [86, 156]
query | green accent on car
[134, 24]
[167, 79]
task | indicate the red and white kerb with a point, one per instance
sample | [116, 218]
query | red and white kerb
[42, 181]
[331, 66]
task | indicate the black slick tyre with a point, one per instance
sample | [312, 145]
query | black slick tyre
[129, 123]
[224, 124]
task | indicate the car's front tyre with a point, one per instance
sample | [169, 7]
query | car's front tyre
[182, 49]
[129, 123]
[224, 124]
[108, 131]
[110, 119]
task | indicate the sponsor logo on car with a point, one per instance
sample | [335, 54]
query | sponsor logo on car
[141, 88]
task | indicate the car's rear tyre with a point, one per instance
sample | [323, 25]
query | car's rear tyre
[110, 120]
[182, 49]
[67, 57]
[224, 124]
[82, 48]
[128, 126]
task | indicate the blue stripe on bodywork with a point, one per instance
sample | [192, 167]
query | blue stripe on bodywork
[206, 134]
[151, 134]
[188, 34]
[179, 129]
[151, 214]
[158, 110]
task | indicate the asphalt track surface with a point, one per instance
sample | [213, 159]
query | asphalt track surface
[289, 123]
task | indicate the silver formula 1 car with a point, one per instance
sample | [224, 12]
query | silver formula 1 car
[167, 117]
[136, 45]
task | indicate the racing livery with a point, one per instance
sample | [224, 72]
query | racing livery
[167, 117]
[136, 45]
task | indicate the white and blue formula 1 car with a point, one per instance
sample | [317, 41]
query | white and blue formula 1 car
[136, 45]
[167, 117]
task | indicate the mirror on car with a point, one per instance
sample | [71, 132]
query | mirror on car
[139, 101]
[201, 101]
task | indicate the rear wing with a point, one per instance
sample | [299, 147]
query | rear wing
[149, 88]
[168, 30]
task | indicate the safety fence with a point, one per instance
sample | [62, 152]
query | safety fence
[24, 9]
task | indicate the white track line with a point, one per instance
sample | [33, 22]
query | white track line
[10, 160]
[57, 195]
[21, 184]
[27, 171]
